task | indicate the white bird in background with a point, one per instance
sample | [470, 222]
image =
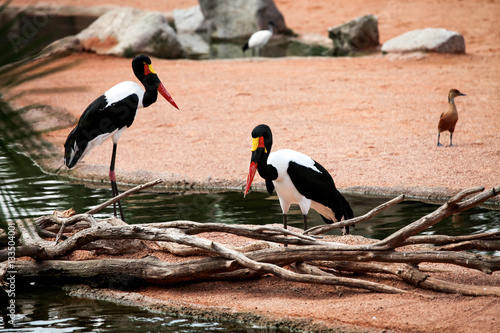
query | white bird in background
[259, 39]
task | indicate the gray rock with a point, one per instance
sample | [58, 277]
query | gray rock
[426, 40]
[354, 36]
[128, 31]
[233, 19]
[188, 20]
[65, 46]
[194, 46]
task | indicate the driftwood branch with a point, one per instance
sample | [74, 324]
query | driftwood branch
[413, 276]
[124, 195]
[325, 228]
[453, 206]
[311, 258]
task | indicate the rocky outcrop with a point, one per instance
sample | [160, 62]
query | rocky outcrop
[63, 46]
[357, 35]
[130, 31]
[233, 19]
[426, 40]
[187, 22]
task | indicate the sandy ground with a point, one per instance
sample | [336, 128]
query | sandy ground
[371, 121]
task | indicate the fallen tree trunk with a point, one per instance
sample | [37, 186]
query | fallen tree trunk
[414, 276]
[224, 262]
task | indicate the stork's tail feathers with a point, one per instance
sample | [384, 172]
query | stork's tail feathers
[342, 212]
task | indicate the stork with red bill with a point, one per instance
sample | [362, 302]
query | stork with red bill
[297, 178]
[111, 114]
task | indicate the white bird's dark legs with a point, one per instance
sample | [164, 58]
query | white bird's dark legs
[305, 222]
[284, 222]
[112, 178]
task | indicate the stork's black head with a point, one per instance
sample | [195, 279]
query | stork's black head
[141, 65]
[148, 77]
[262, 141]
[262, 131]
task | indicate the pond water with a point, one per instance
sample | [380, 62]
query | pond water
[25, 191]
[51, 310]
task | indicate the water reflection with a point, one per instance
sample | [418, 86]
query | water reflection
[42, 309]
[27, 192]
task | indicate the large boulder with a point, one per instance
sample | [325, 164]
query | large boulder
[128, 31]
[188, 20]
[236, 19]
[426, 40]
[357, 35]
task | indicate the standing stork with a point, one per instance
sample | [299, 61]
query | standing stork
[297, 179]
[448, 119]
[111, 114]
[259, 39]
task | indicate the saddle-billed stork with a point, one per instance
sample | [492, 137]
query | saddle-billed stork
[259, 39]
[111, 114]
[448, 119]
[297, 178]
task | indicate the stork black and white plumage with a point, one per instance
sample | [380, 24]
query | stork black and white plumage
[297, 179]
[259, 39]
[112, 113]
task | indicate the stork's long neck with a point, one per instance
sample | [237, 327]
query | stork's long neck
[266, 171]
[149, 98]
[151, 93]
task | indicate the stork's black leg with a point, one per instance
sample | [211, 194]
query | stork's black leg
[305, 222]
[114, 187]
[285, 226]
[113, 192]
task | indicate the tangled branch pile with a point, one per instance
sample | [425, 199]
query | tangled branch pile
[307, 258]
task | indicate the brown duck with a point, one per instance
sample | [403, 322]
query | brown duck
[448, 119]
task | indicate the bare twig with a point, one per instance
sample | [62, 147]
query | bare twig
[124, 195]
[325, 228]
[412, 275]
[451, 207]
[444, 239]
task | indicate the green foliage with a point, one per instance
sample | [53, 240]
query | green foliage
[129, 52]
